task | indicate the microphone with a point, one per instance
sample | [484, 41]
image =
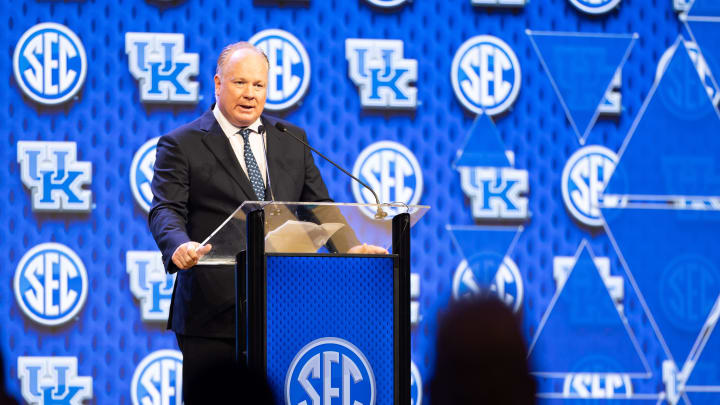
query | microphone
[380, 213]
[276, 210]
[261, 130]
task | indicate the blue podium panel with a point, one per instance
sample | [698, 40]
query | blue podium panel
[330, 328]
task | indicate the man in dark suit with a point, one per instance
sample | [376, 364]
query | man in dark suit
[203, 171]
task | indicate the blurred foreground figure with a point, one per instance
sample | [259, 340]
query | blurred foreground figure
[5, 398]
[481, 357]
[226, 382]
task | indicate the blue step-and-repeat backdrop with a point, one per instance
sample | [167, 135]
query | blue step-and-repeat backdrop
[569, 149]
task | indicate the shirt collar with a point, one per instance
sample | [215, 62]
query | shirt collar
[230, 129]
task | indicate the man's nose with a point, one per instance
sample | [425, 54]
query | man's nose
[246, 92]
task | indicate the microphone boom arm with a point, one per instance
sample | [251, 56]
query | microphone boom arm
[380, 213]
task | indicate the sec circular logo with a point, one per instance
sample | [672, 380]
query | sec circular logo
[141, 173]
[329, 368]
[489, 272]
[158, 379]
[596, 376]
[595, 6]
[387, 3]
[415, 385]
[392, 171]
[702, 68]
[289, 71]
[49, 63]
[683, 96]
[689, 286]
[50, 284]
[485, 75]
[584, 178]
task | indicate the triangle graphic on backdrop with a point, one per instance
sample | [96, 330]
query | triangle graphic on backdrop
[472, 240]
[684, 163]
[484, 245]
[700, 398]
[671, 261]
[705, 373]
[704, 32]
[581, 67]
[582, 330]
[705, 8]
[483, 146]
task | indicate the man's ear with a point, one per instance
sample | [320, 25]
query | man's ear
[217, 84]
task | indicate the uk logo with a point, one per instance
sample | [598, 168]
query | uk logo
[50, 284]
[595, 6]
[49, 63]
[415, 385]
[392, 171]
[141, 173]
[674, 381]
[150, 284]
[611, 104]
[329, 368]
[584, 178]
[415, 315]
[485, 75]
[486, 272]
[162, 68]
[158, 379]
[681, 5]
[381, 73]
[53, 380]
[289, 72]
[54, 175]
[496, 192]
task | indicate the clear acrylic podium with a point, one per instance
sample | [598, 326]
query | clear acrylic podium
[296, 284]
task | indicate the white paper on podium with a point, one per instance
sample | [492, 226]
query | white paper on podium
[299, 237]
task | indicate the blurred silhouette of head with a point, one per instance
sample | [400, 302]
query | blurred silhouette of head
[481, 357]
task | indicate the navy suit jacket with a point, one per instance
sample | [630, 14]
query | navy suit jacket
[198, 182]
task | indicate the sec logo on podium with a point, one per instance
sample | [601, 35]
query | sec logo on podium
[330, 368]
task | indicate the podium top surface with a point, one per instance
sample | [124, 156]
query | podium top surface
[308, 227]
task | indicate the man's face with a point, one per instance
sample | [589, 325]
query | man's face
[241, 87]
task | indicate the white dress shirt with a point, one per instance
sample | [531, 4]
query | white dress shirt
[257, 142]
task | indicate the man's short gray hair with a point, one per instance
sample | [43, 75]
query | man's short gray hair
[230, 49]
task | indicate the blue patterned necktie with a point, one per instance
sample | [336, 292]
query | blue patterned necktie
[252, 168]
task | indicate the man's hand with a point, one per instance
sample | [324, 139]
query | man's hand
[367, 249]
[188, 254]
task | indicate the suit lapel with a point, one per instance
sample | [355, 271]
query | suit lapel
[220, 146]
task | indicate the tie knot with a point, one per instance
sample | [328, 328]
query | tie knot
[245, 133]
